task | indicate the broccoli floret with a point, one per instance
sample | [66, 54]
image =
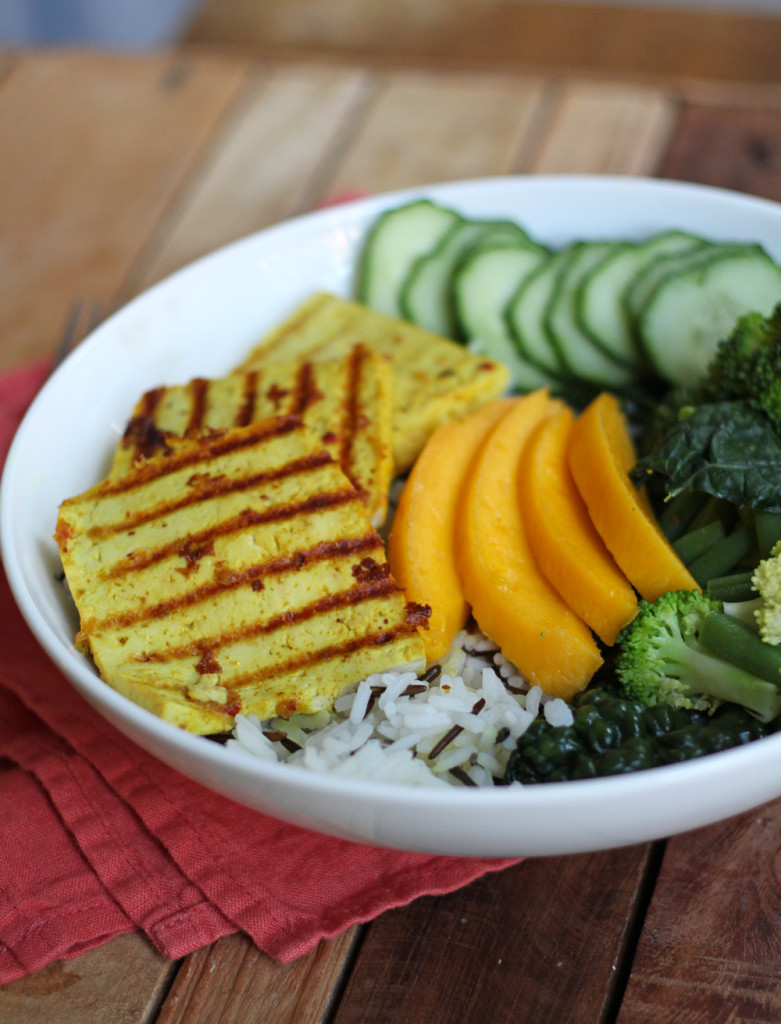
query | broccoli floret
[663, 659]
[747, 366]
[766, 580]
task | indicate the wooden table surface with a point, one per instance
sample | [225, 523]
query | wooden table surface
[114, 172]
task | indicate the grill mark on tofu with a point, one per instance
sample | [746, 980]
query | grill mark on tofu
[352, 412]
[333, 651]
[307, 393]
[246, 413]
[199, 391]
[141, 433]
[358, 594]
[208, 488]
[231, 579]
[223, 442]
[137, 560]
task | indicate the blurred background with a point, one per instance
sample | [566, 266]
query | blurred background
[738, 39]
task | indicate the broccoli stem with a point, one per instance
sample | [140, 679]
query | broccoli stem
[723, 555]
[710, 673]
[696, 542]
[738, 642]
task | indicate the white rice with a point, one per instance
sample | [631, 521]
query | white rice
[459, 728]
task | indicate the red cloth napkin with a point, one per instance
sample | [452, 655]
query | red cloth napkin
[100, 838]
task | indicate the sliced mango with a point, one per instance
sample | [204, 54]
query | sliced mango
[421, 545]
[568, 549]
[511, 599]
[601, 454]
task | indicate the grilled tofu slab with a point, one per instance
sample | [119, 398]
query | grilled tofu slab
[346, 402]
[240, 573]
[434, 380]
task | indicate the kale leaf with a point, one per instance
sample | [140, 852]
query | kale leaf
[728, 449]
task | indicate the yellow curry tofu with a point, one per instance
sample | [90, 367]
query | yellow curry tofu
[238, 574]
[346, 402]
[434, 380]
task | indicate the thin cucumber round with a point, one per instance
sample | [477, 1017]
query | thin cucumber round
[398, 238]
[601, 309]
[581, 356]
[482, 287]
[688, 313]
[666, 265]
[526, 315]
[426, 294]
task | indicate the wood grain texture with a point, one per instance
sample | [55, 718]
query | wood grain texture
[709, 950]
[259, 170]
[94, 150]
[423, 128]
[605, 38]
[233, 983]
[731, 147]
[511, 948]
[119, 983]
[604, 128]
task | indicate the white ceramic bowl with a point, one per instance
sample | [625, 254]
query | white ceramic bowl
[200, 322]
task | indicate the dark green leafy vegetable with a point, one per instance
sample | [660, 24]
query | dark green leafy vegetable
[727, 449]
[613, 734]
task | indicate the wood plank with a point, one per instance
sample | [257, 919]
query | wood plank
[6, 63]
[424, 128]
[232, 982]
[596, 128]
[606, 38]
[709, 950]
[512, 948]
[121, 982]
[260, 171]
[114, 140]
[732, 147]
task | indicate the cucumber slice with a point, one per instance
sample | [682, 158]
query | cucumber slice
[398, 238]
[426, 294]
[581, 356]
[641, 286]
[482, 287]
[601, 308]
[526, 315]
[688, 313]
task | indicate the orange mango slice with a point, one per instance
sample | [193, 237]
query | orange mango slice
[568, 549]
[511, 599]
[601, 454]
[421, 545]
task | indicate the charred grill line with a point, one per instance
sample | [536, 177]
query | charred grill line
[231, 580]
[306, 392]
[246, 414]
[211, 448]
[249, 517]
[141, 433]
[330, 602]
[324, 654]
[351, 410]
[215, 487]
[199, 389]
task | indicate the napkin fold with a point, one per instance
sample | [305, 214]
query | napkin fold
[100, 838]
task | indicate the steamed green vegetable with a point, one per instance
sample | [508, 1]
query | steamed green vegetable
[682, 650]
